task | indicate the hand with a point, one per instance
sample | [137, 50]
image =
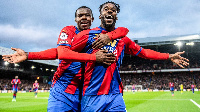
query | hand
[19, 56]
[103, 56]
[101, 40]
[180, 61]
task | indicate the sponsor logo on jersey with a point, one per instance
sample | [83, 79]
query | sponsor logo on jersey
[63, 42]
[111, 47]
[63, 36]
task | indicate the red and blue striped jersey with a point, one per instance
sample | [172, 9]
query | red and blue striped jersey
[15, 83]
[192, 86]
[68, 74]
[35, 85]
[100, 79]
[171, 84]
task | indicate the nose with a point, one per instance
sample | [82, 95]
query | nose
[84, 17]
[110, 11]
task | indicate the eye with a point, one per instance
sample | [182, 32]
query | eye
[80, 15]
[106, 9]
[88, 15]
[114, 10]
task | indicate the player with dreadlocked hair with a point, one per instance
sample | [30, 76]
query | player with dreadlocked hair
[117, 11]
[102, 88]
[116, 5]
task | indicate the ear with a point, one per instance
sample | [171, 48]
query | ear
[116, 18]
[92, 19]
[100, 16]
[75, 19]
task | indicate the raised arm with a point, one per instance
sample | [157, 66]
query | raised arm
[20, 55]
[12, 82]
[100, 56]
[135, 50]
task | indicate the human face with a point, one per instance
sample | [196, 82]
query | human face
[36, 81]
[108, 16]
[16, 77]
[83, 19]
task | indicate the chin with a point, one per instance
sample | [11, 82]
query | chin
[85, 28]
[108, 25]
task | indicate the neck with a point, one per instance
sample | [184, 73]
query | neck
[108, 28]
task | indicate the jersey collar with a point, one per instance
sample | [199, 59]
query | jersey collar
[102, 28]
[77, 31]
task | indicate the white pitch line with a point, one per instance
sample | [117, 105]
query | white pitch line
[195, 103]
[159, 99]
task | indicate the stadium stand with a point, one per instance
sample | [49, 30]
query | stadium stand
[155, 74]
[28, 72]
[150, 74]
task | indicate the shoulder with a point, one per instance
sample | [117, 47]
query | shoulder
[84, 32]
[68, 28]
[126, 39]
[96, 28]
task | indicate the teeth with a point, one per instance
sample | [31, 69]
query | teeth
[109, 16]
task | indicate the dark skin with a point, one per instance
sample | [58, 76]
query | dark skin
[108, 18]
[83, 19]
[101, 40]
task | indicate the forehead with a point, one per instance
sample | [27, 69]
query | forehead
[83, 11]
[109, 5]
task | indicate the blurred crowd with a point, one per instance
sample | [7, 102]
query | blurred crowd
[137, 63]
[161, 81]
[158, 80]
[26, 85]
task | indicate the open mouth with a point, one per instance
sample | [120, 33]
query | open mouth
[109, 18]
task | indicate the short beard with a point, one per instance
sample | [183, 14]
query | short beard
[108, 26]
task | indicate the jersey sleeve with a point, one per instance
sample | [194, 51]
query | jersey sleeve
[80, 41]
[12, 81]
[19, 81]
[49, 54]
[72, 53]
[118, 33]
[135, 50]
[65, 37]
[65, 53]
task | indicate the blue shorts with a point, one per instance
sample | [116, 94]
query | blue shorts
[172, 89]
[60, 101]
[15, 90]
[103, 103]
[36, 89]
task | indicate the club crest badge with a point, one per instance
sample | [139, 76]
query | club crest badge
[63, 36]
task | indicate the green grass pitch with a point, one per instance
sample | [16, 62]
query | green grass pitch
[135, 102]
